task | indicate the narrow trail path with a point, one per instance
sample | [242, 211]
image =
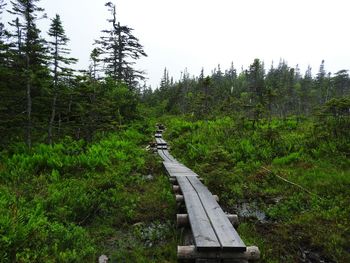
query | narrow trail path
[215, 237]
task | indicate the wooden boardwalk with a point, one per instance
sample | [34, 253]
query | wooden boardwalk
[215, 238]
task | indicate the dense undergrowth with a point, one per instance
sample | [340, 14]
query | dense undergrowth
[296, 171]
[73, 201]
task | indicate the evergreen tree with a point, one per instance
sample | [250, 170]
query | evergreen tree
[121, 49]
[4, 48]
[164, 82]
[322, 84]
[256, 76]
[229, 81]
[306, 91]
[59, 62]
[341, 83]
[2, 34]
[34, 53]
[5, 80]
[271, 82]
[201, 75]
[95, 63]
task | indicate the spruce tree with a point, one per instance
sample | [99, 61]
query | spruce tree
[4, 47]
[164, 82]
[320, 84]
[94, 67]
[5, 80]
[121, 49]
[2, 32]
[59, 63]
[341, 83]
[256, 78]
[31, 45]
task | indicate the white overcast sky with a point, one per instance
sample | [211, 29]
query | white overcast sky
[191, 34]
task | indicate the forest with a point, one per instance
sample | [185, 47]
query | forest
[77, 179]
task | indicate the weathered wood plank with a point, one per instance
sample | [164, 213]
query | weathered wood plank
[160, 141]
[182, 219]
[166, 152]
[177, 169]
[227, 235]
[203, 233]
[168, 160]
[177, 165]
[162, 147]
[162, 155]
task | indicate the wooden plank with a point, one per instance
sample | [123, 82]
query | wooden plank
[166, 152]
[160, 142]
[177, 169]
[163, 156]
[168, 160]
[177, 165]
[162, 147]
[227, 235]
[175, 173]
[203, 233]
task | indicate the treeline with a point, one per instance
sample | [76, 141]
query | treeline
[43, 98]
[254, 93]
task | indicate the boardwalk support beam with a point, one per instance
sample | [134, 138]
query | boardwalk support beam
[173, 180]
[190, 252]
[176, 189]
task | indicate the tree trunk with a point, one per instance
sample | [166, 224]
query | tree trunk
[52, 118]
[59, 125]
[29, 108]
[55, 91]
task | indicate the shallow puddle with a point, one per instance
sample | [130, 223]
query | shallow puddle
[249, 210]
